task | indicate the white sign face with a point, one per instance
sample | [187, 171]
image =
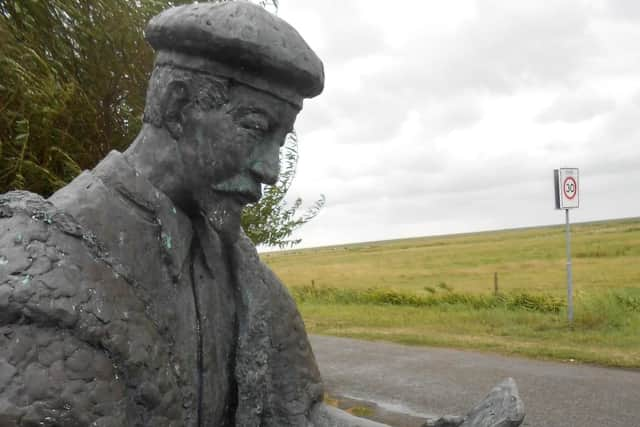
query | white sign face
[568, 188]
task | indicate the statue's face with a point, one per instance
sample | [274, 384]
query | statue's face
[231, 150]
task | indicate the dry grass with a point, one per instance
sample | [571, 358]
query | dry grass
[530, 262]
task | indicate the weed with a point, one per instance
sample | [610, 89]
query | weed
[360, 411]
[631, 302]
[443, 285]
[382, 296]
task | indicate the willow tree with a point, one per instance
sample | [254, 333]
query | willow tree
[74, 77]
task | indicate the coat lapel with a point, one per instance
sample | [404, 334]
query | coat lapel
[276, 373]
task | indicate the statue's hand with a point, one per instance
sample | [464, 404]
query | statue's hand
[501, 408]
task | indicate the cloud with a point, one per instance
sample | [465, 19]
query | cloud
[622, 127]
[456, 115]
[338, 31]
[577, 107]
[505, 46]
[636, 99]
[625, 9]
[497, 50]
[614, 144]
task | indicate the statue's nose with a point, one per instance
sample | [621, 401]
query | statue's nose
[266, 163]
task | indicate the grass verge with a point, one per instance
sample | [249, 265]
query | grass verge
[605, 329]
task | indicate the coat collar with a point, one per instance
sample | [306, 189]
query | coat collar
[127, 213]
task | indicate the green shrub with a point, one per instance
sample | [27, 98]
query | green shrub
[630, 302]
[384, 296]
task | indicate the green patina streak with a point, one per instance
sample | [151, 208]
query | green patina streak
[166, 239]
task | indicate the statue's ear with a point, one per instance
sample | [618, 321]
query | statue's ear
[175, 99]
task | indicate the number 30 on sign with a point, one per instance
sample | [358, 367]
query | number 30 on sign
[566, 188]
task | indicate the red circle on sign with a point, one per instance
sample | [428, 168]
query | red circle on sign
[570, 179]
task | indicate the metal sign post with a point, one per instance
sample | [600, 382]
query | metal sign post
[566, 192]
[569, 273]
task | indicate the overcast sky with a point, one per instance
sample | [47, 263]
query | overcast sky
[449, 117]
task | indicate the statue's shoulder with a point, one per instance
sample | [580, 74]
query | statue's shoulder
[35, 243]
[31, 211]
[52, 270]
[66, 313]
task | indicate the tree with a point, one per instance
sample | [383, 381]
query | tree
[74, 76]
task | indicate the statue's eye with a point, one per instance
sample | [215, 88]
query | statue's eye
[254, 121]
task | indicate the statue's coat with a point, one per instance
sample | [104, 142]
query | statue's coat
[119, 310]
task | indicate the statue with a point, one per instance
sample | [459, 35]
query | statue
[131, 297]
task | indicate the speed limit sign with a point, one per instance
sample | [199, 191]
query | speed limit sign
[567, 188]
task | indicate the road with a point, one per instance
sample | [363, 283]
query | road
[424, 381]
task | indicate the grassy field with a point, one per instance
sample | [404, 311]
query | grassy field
[440, 291]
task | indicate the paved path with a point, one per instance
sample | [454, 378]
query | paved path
[427, 381]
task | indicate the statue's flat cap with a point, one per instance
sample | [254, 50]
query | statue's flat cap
[239, 40]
